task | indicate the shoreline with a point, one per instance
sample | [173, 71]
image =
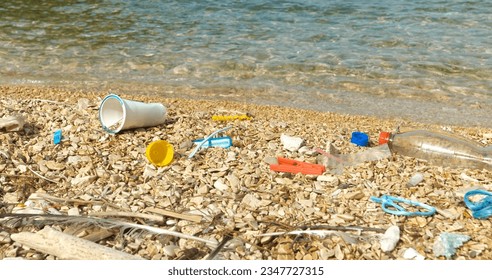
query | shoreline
[231, 190]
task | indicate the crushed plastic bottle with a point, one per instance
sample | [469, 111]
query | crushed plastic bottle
[439, 148]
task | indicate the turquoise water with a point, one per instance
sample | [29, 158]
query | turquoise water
[423, 60]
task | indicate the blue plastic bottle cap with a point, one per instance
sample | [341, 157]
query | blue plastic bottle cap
[360, 138]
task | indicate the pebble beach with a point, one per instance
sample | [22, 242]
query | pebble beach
[222, 204]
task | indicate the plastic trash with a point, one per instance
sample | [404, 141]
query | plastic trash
[116, 114]
[57, 137]
[438, 148]
[359, 138]
[415, 179]
[481, 209]
[337, 161]
[390, 238]
[446, 244]
[223, 142]
[230, 117]
[295, 166]
[205, 140]
[160, 153]
[390, 205]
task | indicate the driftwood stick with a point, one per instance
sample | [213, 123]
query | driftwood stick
[68, 247]
[188, 217]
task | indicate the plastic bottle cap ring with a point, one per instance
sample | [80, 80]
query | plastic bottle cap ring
[160, 153]
[384, 137]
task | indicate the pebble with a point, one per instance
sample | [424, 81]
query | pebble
[390, 238]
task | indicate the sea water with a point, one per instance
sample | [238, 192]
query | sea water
[428, 61]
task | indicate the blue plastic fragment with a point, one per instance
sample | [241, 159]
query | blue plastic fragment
[199, 146]
[223, 142]
[481, 209]
[389, 204]
[360, 138]
[447, 243]
[57, 137]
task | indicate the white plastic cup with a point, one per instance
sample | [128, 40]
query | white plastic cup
[116, 114]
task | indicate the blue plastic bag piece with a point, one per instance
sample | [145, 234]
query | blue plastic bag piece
[223, 142]
[57, 137]
[447, 243]
[360, 138]
[481, 209]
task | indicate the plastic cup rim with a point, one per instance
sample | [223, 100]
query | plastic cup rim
[118, 129]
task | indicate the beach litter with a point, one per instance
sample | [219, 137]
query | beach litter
[415, 179]
[295, 166]
[222, 142]
[57, 137]
[359, 138]
[390, 205]
[206, 139]
[482, 208]
[447, 243]
[231, 117]
[160, 153]
[116, 114]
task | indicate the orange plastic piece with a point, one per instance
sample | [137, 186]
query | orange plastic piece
[294, 166]
[384, 137]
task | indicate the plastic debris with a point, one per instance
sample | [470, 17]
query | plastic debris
[57, 137]
[223, 142]
[390, 205]
[337, 161]
[415, 179]
[481, 209]
[230, 118]
[390, 238]
[160, 153]
[291, 143]
[359, 138]
[12, 123]
[294, 166]
[199, 146]
[446, 244]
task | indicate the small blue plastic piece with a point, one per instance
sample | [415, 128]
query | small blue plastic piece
[360, 138]
[57, 137]
[481, 209]
[389, 203]
[223, 142]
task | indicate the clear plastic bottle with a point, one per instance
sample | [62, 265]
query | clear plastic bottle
[439, 149]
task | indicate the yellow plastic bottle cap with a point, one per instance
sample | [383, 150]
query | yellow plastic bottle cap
[160, 153]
